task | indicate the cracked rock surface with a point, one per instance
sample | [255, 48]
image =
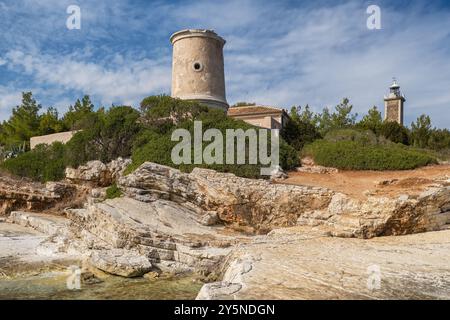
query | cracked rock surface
[295, 263]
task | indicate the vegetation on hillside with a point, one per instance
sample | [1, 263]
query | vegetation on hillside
[122, 131]
[332, 137]
[355, 155]
[161, 115]
[28, 120]
[336, 139]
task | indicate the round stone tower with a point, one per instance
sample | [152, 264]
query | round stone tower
[197, 67]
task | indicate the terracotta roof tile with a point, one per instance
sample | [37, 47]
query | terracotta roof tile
[248, 110]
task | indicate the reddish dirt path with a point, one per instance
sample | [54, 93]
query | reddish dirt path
[360, 183]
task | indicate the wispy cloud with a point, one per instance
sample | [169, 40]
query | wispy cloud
[280, 53]
[118, 82]
[8, 97]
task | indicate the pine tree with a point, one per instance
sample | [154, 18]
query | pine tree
[23, 123]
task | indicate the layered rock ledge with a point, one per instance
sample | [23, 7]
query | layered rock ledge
[244, 230]
[162, 232]
[262, 206]
[299, 263]
[25, 195]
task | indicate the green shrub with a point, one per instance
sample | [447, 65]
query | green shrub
[297, 133]
[364, 137]
[110, 135]
[395, 132]
[123, 132]
[350, 155]
[154, 143]
[113, 191]
[43, 163]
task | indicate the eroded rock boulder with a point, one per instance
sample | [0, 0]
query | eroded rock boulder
[257, 204]
[97, 174]
[165, 233]
[120, 262]
[382, 216]
[20, 194]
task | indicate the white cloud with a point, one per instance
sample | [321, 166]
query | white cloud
[123, 82]
[9, 97]
[220, 15]
[275, 53]
[320, 55]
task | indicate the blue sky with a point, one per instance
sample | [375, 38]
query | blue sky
[279, 53]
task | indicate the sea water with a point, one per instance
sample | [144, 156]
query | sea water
[53, 286]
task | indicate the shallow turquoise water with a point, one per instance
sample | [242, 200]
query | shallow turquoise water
[53, 286]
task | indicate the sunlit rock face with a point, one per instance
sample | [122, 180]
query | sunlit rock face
[262, 206]
[97, 174]
[303, 263]
[184, 222]
[19, 194]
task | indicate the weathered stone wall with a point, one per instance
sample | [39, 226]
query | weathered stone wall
[394, 110]
[263, 121]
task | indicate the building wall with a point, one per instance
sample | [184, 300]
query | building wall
[394, 110]
[50, 138]
[263, 121]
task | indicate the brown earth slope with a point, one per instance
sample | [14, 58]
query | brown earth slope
[360, 184]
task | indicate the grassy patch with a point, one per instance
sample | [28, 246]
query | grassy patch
[113, 191]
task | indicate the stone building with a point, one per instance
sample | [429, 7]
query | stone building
[62, 137]
[198, 67]
[261, 116]
[393, 104]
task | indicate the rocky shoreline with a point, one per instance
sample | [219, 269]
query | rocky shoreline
[247, 235]
[299, 263]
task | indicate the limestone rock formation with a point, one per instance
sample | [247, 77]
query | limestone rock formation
[278, 174]
[309, 166]
[44, 223]
[163, 233]
[304, 263]
[257, 204]
[18, 194]
[174, 221]
[383, 216]
[262, 206]
[120, 262]
[97, 174]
